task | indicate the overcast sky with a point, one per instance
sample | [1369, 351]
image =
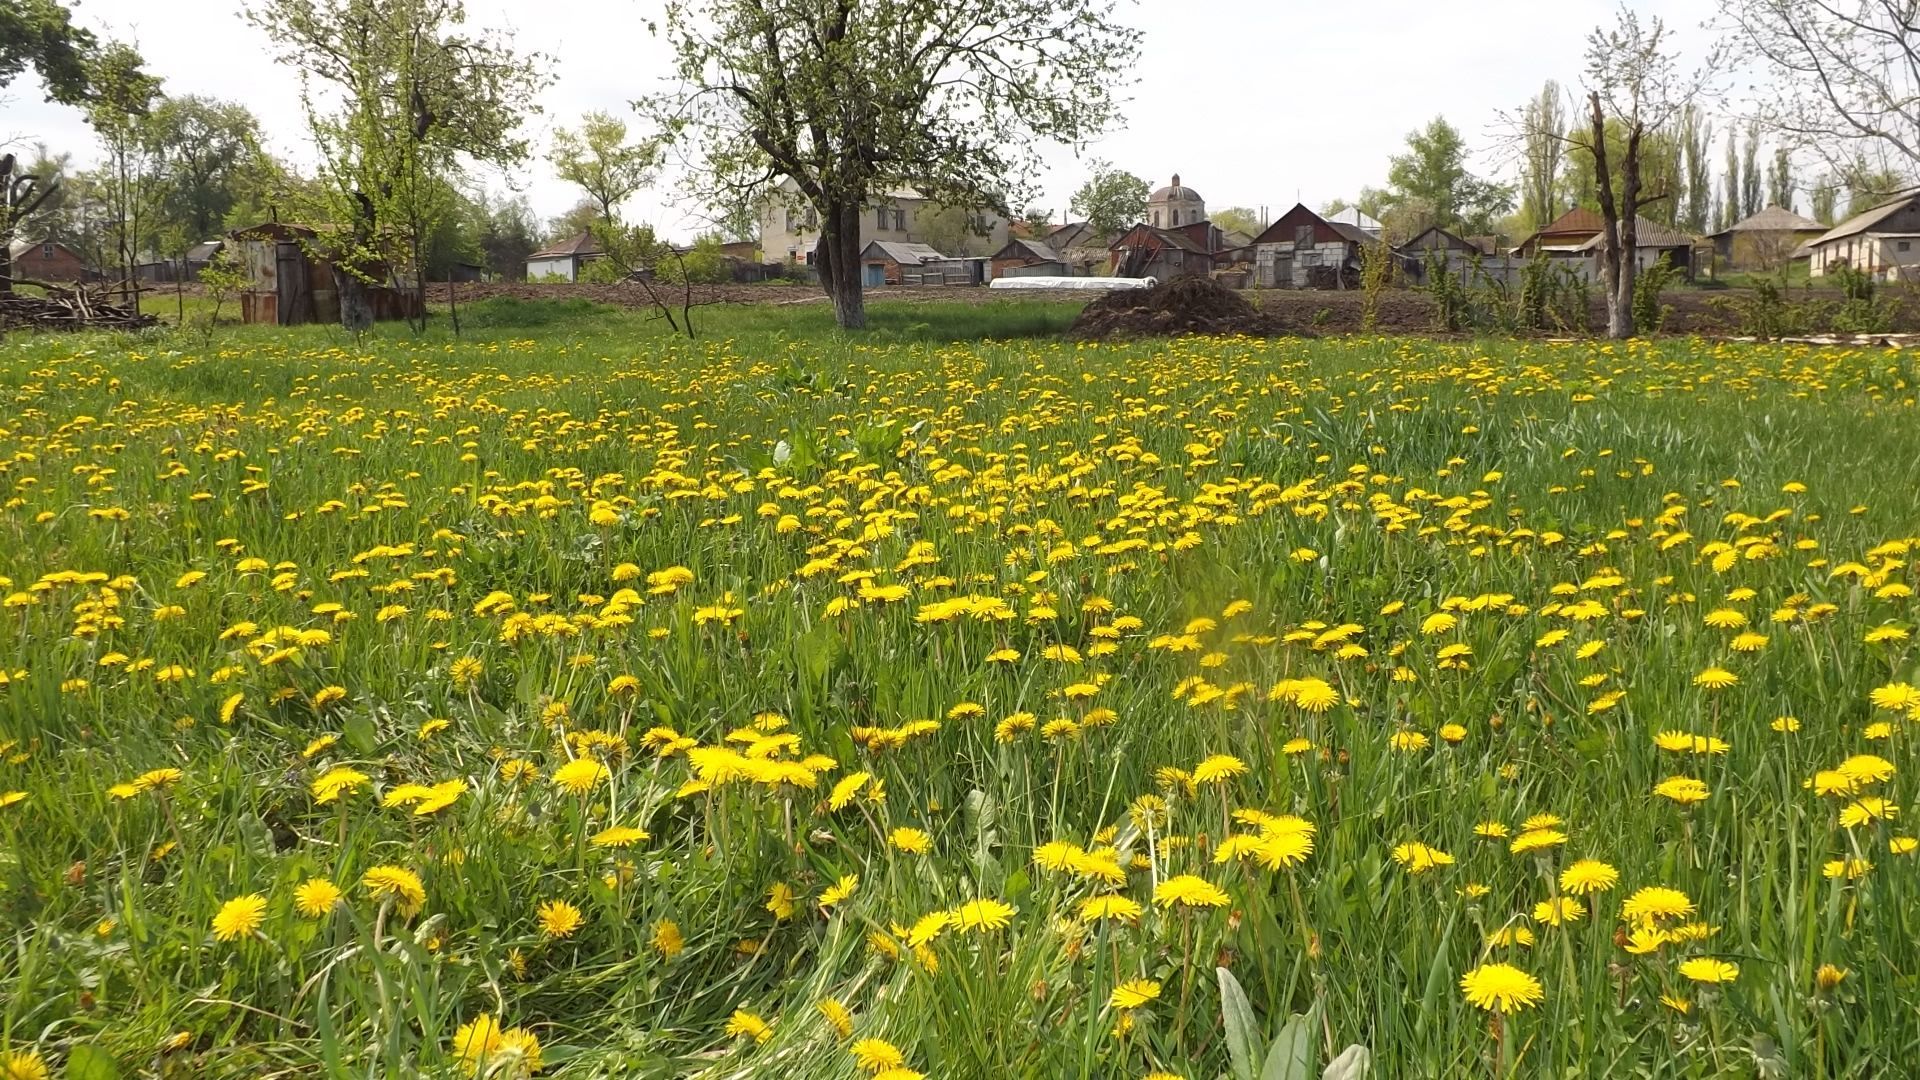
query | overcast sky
[1253, 102]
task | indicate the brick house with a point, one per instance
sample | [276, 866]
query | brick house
[49, 261]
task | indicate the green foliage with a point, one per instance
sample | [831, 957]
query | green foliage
[628, 250]
[1378, 265]
[121, 100]
[1859, 312]
[1501, 471]
[1543, 150]
[40, 34]
[507, 237]
[701, 264]
[851, 101]
[1111, 200]
[221, 280]
[1448, 293]
[205, 148]
[1552, 296]
[412, 97]
[1765, 312]
[1431, 180]
[1237, 219]
[598, 159]
[1648, 284]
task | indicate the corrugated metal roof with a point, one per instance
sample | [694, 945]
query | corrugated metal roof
[906, 254]
[1867, 219]
[1031, 248]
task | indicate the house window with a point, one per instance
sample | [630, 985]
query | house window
[1904, 244]
[899, 220]
[813, 218]
[46, 250]
[1156, 219]
[881, 223]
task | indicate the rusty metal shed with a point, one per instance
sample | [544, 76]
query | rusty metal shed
[290, 282]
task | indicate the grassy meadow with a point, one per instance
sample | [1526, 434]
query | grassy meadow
[572, 700]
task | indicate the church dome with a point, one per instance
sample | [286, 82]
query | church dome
[1175, 192]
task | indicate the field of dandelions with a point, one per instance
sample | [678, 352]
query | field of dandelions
[611, 705]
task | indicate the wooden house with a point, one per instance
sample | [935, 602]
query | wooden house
[1026, 257]
[1460, 254]
[1164, 254]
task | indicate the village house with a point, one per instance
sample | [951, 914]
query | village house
[1084, 250]
[1302, 250]
[1459, 254]
[887, 262]
[1883, 240]
[789, 228]
[565, 260]
[1163, 254]
[185, 268]
[1028, 257]
[48, 260]
[1764, 241]
[1577, 235]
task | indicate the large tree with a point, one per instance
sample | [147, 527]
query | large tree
[1841, 77]
[507, 237]
[411, 98]
[1542, 153]
[1696, 144]
[1780, 178]
[119, 109]
[850, 99]
[1430, 184]
[598, 159]
[40, 34]
[205, 149]
[1111, 201]
[1869, 185]
[1825, 199]
[1634, 88]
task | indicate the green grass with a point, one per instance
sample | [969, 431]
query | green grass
[1161, 541]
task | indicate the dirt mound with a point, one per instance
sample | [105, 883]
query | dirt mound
[1187, 305]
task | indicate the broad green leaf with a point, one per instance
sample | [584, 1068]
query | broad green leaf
[1243, 1034]
[361, 734]
[88, 1062]
[1291, 1056]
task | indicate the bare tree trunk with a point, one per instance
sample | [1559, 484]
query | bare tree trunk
[838, 255]
[1629, 228]
[1616, 272]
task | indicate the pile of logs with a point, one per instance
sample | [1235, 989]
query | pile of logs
[61, 308]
